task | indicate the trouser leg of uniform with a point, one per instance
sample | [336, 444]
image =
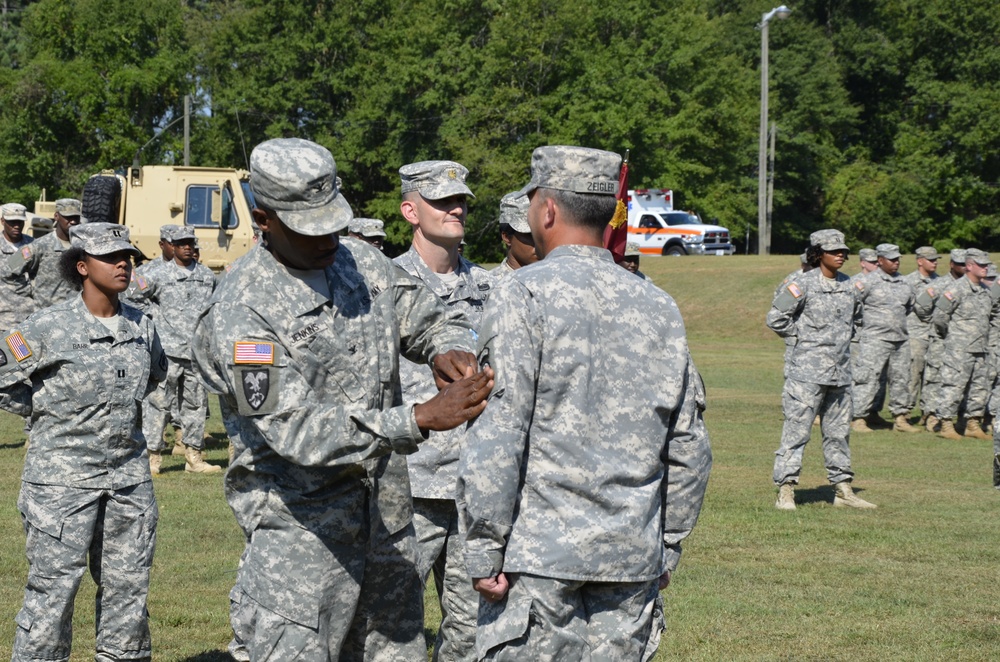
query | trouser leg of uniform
[800, 403]
[930, 390]
[156, 409]
[836, 429]
[121, 555]
[954, 375]
[918, 359]
[898, 378]
[191, 396]
[872, 357]
[239, 619]
[59, 524]
[977, 392]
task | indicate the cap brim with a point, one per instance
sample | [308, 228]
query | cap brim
[329, 219]
[836, 247]
[446, 190]
[114, 247]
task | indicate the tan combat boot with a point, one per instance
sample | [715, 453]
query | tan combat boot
[786, 497]
[974, 429]
[933, 423]
[195, 462]
[844, 496]
[876, 422]
[948, 430]
[903, 425]
[179, 446]
[860, 425]
[923, 419]
[155, 461]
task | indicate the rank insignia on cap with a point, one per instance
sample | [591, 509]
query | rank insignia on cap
[26, 252]
[949, 296]
[18, 347]
[795, 290]
[452, 173]
[257, 353]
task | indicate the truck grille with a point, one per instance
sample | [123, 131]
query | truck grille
[716, 237]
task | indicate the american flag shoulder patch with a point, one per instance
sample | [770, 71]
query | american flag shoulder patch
[26, 252]
[251, 351]
[141, 281]
[948, 295]
[858, 285]
[930, 291]
[18, 346]
[795, 290]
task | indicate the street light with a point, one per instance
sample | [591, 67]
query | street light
[763, 229]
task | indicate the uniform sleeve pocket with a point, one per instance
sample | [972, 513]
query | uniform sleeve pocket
[500, 623]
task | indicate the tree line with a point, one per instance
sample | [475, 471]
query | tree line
[887, 112]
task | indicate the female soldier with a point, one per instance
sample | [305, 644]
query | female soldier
[819, 310]
[79, 369]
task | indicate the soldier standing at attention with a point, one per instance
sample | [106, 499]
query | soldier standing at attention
[368, 230]
[820, 309]
[515, 235]
[435, 203]
[923, 306]
[79, 370]
[962, 319]
[886, 300]
[918, 330]
[589, 465]
[15, 292]
[39, 261]
[868, 259]
[302, 341]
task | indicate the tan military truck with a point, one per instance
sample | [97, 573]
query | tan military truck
[215, 202]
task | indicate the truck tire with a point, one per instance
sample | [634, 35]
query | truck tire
[674, 250]
[101, 197]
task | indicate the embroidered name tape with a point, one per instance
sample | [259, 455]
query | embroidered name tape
[257, 353]
[18, 347]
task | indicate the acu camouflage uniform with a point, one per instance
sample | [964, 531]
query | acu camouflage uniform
[39, 262]
[86, 492]
[886, 301]
[962, 319]
[820, 313]
[312, 385]
[434, 470]
[919, 333]
[993, 359]
[789, 340]
[16, 303]
[923, 307]
[589, 464]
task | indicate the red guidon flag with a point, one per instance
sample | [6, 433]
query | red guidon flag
[616, 233]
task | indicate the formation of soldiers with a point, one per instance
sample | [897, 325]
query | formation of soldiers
[922, 340]
[345, 382]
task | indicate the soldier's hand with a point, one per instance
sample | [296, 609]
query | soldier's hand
[492, 588]
[452, 366]
[664, 580]
[456, 403]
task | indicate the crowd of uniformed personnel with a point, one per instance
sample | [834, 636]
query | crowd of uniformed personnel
[922, 339]
[345, 381]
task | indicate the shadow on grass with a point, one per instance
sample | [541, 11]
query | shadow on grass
[17, 444]
[209, 656]
[821, 494]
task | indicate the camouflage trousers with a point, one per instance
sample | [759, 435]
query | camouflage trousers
[801, 402]
[115, 530]
[181, 397]
[994, 405]
[552, 620]
[931, 388]
[440, 550]
[918, 361]
[307, 598]
[874, 356]
[963, 377]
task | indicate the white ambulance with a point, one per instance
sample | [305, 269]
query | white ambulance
[658, 229]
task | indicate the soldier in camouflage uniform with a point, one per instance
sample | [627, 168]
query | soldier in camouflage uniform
[39, 261]
[179, 290]
[918, 330]
[886, 300]
[819, 310]
[630, 262]
[962, 319]
[15, 292]
[368, 230]
[868, 261]
[435, 203]
[589, 465]
[515, 235]
[79, 369]
[302, 341]
[993, 357]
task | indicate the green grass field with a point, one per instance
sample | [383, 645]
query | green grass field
[916, 579]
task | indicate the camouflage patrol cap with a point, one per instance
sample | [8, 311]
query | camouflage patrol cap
[828, 240]
[69, 207]
[434, 180]
[888, 251]
[14, 212]
[367, 227]
[803, 258]
[867, 255]
[958, 256]
[632, 249]
[182, 233]
[297, 179]
[576, 169]
[982, 258]
[514, 212]
[101, 238]
[991, 272]
[167, 231]
[927, 252]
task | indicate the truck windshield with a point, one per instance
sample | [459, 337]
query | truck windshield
[681, 218]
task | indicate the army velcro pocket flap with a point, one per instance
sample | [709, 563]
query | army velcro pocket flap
[500, 622]
[788, 300]
[44, 519]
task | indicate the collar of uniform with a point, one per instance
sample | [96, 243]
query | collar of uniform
[96, 330]
[295, 295]
[465, 289]
[594, 252]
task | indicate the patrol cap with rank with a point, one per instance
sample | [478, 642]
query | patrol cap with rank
[576, 169]
[982, 258]
[867, 255]
[434, 180]
[297, 179]
[829, 240]
[69, 207]
[101, 238]
[182, 233]
[927, 252]
[14, 212]
[632, 249]
[888, 251]
[514, 212]
[367, 227]
[167, 231]
[958, 256]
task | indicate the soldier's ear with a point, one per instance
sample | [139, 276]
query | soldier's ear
[81, 268]
[408, 209]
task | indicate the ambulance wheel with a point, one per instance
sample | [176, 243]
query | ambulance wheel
[675, 251]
